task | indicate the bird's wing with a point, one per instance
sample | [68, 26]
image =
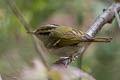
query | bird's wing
[66, 39]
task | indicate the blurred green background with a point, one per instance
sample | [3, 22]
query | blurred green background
[16, 47]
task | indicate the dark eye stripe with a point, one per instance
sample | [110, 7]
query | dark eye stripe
[54, 25]
[44, 33]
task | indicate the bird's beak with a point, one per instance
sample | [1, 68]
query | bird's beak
[31, 32]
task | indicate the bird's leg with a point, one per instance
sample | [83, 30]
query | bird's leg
[64, 61]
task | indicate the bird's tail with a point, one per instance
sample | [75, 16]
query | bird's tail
[100, 39]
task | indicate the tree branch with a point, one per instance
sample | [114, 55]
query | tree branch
[106, 17]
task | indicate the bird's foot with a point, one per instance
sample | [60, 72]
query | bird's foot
[73, 58]
[66, 60]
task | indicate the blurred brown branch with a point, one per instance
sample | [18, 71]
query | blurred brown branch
[28, 29]
[106, 17]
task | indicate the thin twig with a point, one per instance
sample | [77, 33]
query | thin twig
[28, 29]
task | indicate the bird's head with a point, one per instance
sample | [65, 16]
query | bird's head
[45, 29]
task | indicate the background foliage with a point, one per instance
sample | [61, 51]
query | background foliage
[16, 48]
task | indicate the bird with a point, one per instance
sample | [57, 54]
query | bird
[64, 41]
